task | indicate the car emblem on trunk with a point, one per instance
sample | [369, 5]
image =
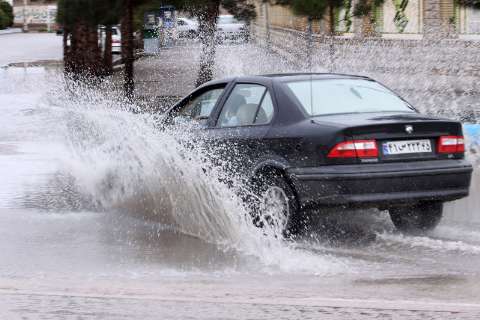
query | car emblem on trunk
[409, 129]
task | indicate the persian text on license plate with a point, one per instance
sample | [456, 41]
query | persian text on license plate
[405, 147]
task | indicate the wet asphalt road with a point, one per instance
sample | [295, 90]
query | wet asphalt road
[61, 262]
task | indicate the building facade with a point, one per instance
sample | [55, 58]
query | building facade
[35, 14]
[393, 19]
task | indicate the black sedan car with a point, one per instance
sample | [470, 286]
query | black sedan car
[311, 141]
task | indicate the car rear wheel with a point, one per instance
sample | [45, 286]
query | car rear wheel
[417, 218]
[276, 205]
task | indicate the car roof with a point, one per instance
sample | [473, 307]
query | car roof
[307, 76]
[284, 77]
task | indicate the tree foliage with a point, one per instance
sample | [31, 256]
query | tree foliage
[6, 15]
[90, 12]
[470, 3]
[314, 9]
[320, 9]
[206, 11]
[366, 7]
[80, 20]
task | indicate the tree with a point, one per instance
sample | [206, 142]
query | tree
[7, 15]
[366, 10]
[207, 11]
[80, 20]
[470, 3]
[128, 46]
[110, 16]
[127, 19]
[207, 16]
[3, 20]
[318, 9]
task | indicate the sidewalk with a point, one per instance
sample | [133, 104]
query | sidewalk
[10, 31]
[30, 47]
[173, 72]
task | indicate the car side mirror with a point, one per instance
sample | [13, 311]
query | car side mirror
[180, 120]
[202, 121]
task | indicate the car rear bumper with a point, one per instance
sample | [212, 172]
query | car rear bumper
[381, 185]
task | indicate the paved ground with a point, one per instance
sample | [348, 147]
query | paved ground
[29, 47]
[10, 31]
[61, 260]
[53, 306]
[173, 71]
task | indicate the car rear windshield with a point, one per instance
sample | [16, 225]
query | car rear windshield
[334, 96]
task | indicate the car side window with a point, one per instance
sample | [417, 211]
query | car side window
[245, 106]
[201, 106]
[265, 112]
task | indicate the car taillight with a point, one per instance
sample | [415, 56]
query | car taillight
[451, 144]
[355, 149]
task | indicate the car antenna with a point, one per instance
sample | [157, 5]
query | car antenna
[311, 93]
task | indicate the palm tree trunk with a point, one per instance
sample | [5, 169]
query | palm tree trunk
[207, 29]
[433, 27]
[76, 44]
[331, 20]
[84, 58]
[107, 53]
[309, 43]
[67, 57]
[368, 27]
[127, 48]
[93, 53]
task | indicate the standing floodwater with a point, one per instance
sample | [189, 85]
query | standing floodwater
[101, 210]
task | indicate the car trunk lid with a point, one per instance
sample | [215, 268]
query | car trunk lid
[399, 136]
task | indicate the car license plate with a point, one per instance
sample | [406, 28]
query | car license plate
[406, 147]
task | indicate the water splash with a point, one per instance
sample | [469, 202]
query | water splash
[104, 157]
[107, 158]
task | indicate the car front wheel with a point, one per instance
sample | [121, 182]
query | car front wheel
[417, 218]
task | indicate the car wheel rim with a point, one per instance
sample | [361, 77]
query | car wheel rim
[275, 208]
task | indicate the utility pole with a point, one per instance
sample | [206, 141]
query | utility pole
[128, 48]
[25, 21]
[267, 26]
[309, 43]
[49, 17]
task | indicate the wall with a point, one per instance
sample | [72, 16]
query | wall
[412, 13]
[439, 76]
[38, 16]
[437, 14]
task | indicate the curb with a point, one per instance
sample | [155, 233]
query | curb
[118, 65]
[10, 31]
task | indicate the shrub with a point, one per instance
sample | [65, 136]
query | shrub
[3, 20]
[8, 11]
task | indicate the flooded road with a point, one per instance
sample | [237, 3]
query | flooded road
[103, 216]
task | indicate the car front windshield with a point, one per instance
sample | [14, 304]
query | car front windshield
[334, 96]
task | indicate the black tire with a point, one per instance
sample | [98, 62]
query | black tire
[417, 218]
[262, 184]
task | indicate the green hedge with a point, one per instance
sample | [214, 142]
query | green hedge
[3, 20]
[6, 15]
